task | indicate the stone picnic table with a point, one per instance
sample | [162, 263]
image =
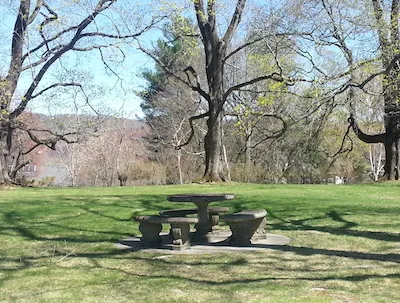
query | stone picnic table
[203, 227]
[246, 226]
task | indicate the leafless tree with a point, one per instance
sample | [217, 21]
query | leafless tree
[366, 33]
[43, 34]
[218, 47]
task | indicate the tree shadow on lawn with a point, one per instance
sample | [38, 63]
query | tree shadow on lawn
[147, 202]
[52, 231]
[200, 280]
[19, 220]
[221, 282]
[128, 256]
[250, 284]
[308, 251]
[153, 203]
[34, 224]
[344, 230]
[333, 215]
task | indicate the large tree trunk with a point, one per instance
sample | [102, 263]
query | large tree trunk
[4, 177]
[4, 153]
[213, 138]
[215, 48]
[391, 167]
[389, 42]
[212, 147]
[391, 97]
[389, 160]
[391, 141]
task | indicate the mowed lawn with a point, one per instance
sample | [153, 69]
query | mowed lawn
[58, 245]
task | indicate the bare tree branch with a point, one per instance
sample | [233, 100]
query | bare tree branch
[342, 150]
[100, 7]
[274, 76]
[379, 138]
[243, 46]
[53, 86]
[237, 16]
[191, 119]
[275, 134]
[175, 75]
[36, 10]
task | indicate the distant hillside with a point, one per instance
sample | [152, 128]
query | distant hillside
[66, 122]
[102, 137]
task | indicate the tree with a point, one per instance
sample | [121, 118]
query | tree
[366, 34]
[107, 158]
[217, 44]
[259, 110]
[388, 31]
[168, 104]
[41, 36]
[332, 45]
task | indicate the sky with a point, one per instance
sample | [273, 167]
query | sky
[106, 89]
[116, 92]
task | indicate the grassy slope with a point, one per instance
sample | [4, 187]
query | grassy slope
[57, 245]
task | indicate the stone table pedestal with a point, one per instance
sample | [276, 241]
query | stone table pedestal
[203, 227]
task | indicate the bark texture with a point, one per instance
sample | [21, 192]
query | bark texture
[389, 45]
[215, 50]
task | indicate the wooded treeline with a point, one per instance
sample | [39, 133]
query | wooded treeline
[252, 91]
[285, 100]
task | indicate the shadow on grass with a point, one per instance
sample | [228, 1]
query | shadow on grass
[353, 278]
[308, 251]
[127, 255]
[65, 216]
[153, 278]
[15, 226]
[129, 205]
[131, 255]
[124, 206]
[344, 230]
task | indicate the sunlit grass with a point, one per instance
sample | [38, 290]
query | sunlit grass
[58, 245]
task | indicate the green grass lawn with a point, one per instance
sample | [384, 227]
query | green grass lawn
[58, 245]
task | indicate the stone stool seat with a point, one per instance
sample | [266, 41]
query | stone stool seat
[246, 226]
[151, 226]
[213, 214]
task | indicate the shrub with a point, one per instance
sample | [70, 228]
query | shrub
[44, 182]
[145, 173]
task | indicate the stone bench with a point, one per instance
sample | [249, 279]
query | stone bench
[151, 226]
[178, 212]
[213, 214]
[246, 226]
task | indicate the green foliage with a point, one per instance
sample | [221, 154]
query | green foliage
[262, 62]
[275, 91]
[173, 52]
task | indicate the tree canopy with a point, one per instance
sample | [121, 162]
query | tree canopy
[283, 87]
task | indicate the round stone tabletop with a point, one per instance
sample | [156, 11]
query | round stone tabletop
[200, 197]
